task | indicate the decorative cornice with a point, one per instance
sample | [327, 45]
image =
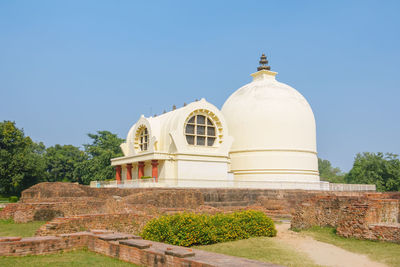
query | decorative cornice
[272, 150]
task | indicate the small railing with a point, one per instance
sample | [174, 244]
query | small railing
[125, 183]
[352, 187]
[151, 182]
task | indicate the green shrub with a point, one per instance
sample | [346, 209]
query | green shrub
[188, 229]
[226, 227]
[182, 229]
[256, 223]
[13, 199]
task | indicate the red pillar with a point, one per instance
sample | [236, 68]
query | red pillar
[140, 169]
[154, 169]
[129, 171]
[118, 174]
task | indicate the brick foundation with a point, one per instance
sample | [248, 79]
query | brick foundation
[124, 247]
[122, 222]
[73, 199]
[356, 214]
[25, 212]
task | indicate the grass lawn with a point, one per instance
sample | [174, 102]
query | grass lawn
[385, 252]
[10, 228]
[67, 259]
[264, 249]
[4, 199]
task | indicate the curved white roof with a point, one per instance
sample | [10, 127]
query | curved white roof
[166, 132]
[267, 114]
[274, 133]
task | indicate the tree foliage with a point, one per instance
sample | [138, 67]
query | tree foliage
[380, 169]
[329, 173]
[105, 146]
[61, 162]
[21, 160]
[24, 163]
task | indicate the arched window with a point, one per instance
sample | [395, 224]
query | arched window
[200, 131]
[143, 139]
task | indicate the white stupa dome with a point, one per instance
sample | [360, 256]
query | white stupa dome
[274, 131]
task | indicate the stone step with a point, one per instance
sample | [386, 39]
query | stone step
[59, 219]
[50, 226]
[228, 203]
[230, 196]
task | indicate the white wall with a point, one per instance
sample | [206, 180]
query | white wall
[201, 173]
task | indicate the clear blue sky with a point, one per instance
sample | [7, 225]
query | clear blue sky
[68, 68]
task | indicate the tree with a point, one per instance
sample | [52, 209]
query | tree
[104, 147]
[329, 173]
[380, 169]
[21, 160]
[61, 162]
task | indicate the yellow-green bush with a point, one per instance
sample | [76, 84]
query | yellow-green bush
[187, 229]
[256, 223]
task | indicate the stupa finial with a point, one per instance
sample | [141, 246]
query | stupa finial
[263, 63]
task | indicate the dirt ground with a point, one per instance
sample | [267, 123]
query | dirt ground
[322, 253]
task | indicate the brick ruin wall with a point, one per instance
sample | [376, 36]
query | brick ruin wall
[125, 247]
[83, 207]
[131, 223]
[26, 212]
[73, 199]
[365, 217]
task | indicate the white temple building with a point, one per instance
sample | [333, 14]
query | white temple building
[263, 137]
